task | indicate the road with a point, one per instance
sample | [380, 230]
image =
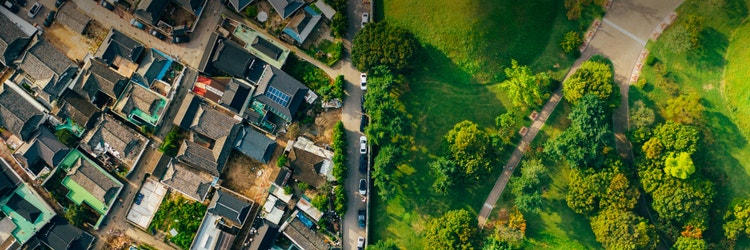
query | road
[622, 36]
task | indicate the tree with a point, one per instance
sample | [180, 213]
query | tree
[527, 187]
[383, 245]
[453, 230]
[620, 194]
[575, 7]
[469, 147]
[652, 148]
[510, 234]
[76, 215]
[679, 166]
[688, 243]
[677, 39]
[694, 26]
[583, 143]
[677, 137]
[571, 41]
[618, 229]
[683, 201]
[523, 87]
[593, 77]
[508, 124]
[384, 165]
[737, 220]
[445, 171]
[383, 44]
[641, 116]
[586, 189]
[685, 109]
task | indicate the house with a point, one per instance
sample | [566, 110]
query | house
[74, 19]
[302, 25]
[76, 112]
[61, 235]
[231, 93]
[120, 52]
[100, 84]
[286, 8]
[211, 134]
[310, 164]
[276, 99]
[327, 10]
[239, 5]
[258, 44]
[157, 72]
[146, 203]
[150, 11]
[265, 236]
[114, 143]
[25, 211]
[227, 214]
[87, 183]
[187, 181]
[14, 37]
[298, 229]
[254, 144]
[43, 154]
[19, 113]
[224, 56]
[46, 72]
[141, 106]
[273, 210]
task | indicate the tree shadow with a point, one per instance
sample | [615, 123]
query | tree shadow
[736, 10]
[724, 130]
[712, 49]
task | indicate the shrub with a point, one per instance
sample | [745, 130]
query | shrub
[571, 42]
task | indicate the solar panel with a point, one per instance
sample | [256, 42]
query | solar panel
[277, 96]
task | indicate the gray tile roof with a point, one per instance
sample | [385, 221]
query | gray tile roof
[100, 78]
[18, 115]
[255, 144]
[151, 65]
[198, 157]
[303, 24]
[49, 68]
[187, 181]
[304, 237]
[46, 149]
[60, 235]
[140, 98]
[238, 5]
[211, 123]
[230, 58]
[191, 5]
[267, 48]
[94, 180]
[150, 11]
[286, 8]
[273, 77]
[9, 180]
[24, 208]
[230, 207]
[70, 16]
[306, 167]
[12, 41]
[118, 44]
[126, 142]
[237, 95]
[77, 108]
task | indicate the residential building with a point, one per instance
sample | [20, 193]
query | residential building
[302, 25]
[42, 155]
[224, 220]
[141, 106]
[116, 145]
[120, 52]
[25, 211]
[70, 16]
[258, 44]
[298, 229]
[254, 144]
[15, 35]
[233, 94]
[211, 135]
[276, 99]
[151, 12]
[77, 113]
[286, 8]
[191, 183]
[100, 84]
[19, 113]
[309, 163]
[146, 203]
[61, 235]
[158, 72]
[239, 5]
[327, 10]
[45, 72]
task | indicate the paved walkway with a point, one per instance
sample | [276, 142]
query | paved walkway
[621, 37]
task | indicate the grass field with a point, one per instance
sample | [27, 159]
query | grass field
[466, 44]
[718, 73]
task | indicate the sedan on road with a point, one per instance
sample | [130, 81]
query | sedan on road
[363, 81]
[360, 243]
[34, 10]
[362, 187]
[361, 218]
[363, 164]
[365, 18]
[363, 144]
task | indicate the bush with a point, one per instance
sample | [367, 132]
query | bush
[339, 152]
[288, 190]
[282, 160]
[380, 44]
[251, 11]
[172, 142]
[340, 200]
[571, 42]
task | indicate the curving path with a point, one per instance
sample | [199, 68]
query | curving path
[622, 36]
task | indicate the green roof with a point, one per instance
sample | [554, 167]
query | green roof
[26, 229]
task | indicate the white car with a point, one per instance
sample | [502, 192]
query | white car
[35, 9]
[360, 243]
[363, 144]
[365, 18]
[363, 81]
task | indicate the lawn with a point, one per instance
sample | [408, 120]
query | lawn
[718, 73]
[465, 44]
[180, 214]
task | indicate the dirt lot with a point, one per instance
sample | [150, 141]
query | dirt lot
[73, 44]
[249, 177]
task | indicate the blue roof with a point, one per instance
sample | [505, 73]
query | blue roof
[255, 145]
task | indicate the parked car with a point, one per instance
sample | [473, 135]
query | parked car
[50, 18]
[180, 39]
[34, 10]
[365, 18]
[361, 218]
[136, 24]
[363, 123]
[363, 144]
[59, 3]
[21, 3]
[362, 187]
[10, 5]
[363, 81]
[363, 164]
[157, 34]
[362, 101]
[360, 243]
[107, 5]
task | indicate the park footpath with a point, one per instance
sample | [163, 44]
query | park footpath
[619, 36]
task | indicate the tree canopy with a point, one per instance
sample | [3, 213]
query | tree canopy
[445, 171]
[527, 187]
[452, 231]
[679, 166]
[383, 44]
[618, 229]
[737, 220]
[677, 137]
[470, 148]
[523, 87]
[593, 77]
[583, 143]
[685, 109]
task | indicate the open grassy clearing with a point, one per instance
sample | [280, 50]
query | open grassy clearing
[723, 92]
[466, 44]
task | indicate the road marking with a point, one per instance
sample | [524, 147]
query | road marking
[624, 31]
[488, 206]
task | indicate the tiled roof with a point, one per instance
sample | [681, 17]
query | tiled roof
[77, 108]
[144, 100]
[212, 123]
[230, 58]
[283, 82]
[238, 5]
[306, 167]
[70, 16]
[150, 10]
[100, 78]
[302, 25]
[45, 148]
[18, 115]
[96, 182]
[198, 157]
[304, 237]
[24, 208]
[255, 144]
[187, 181]
[60, 235]
[12, 41]
[50, 69]
[230, 207]
[118, 44]
[286, 8]
[126, 142]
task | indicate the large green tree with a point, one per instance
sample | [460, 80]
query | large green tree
[527, 188]
[680, 165]
[453, 231]
[586, 189]
[445, 171]
[583, 143]
[677, 137]
[383, 44]
[620, 194]
[683, 201]
[524, 88]
[388, 158]
[618, 229]
[508, 125]
[593, 77]
[737, 220]
[689, 243]
[470, 148]
[685, 109]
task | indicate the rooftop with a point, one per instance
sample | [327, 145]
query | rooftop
[88, 182]
[77, 108]
[224, 56]
[13, 39]
[18, 112]
[48, 69]
[254, 144]
[141, 106]
[154, 66]
[120, 50]
[150, 11]
[112, 137]
[231, 207]
[286, 8]
[28, 212]
[301, 235]
[261, 46]
[71, 16]
[44, 151]
[146, 203]
[60, 235]
[100, 84]
[302, 25]
[280, 91]
[187, 181]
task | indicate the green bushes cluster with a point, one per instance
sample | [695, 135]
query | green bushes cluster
[172, 142]
[338, 24]
[183, 215]
[339, 152]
